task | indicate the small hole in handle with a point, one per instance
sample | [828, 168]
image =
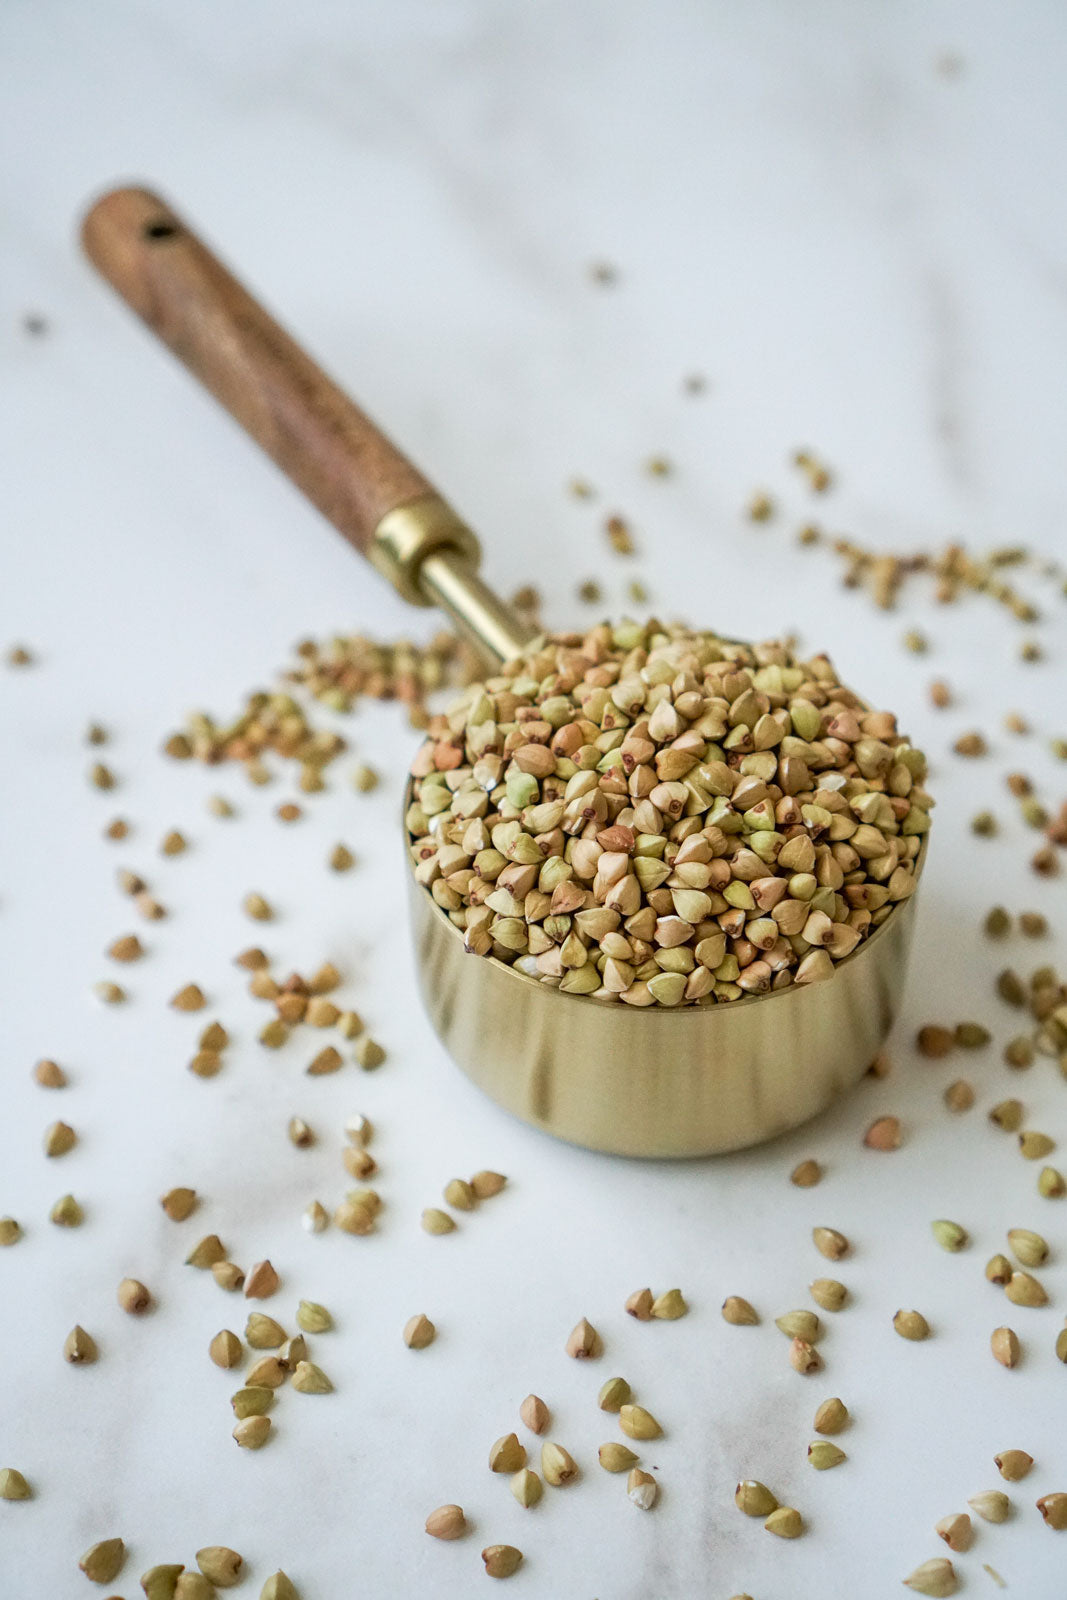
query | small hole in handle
[159, 230]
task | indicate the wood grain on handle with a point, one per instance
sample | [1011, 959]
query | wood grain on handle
[318, 437]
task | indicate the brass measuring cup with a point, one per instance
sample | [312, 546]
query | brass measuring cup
[682, 1081]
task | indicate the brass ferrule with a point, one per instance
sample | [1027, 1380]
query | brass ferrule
[431, 557]
[405, 537]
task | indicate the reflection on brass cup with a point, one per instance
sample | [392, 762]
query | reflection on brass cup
[683, 1081]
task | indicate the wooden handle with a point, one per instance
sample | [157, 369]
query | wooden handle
[301, 418]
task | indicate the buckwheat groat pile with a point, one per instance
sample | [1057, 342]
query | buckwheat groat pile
[646, 814]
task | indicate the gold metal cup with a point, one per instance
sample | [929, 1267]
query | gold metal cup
[659, 1081]
[682, 1081]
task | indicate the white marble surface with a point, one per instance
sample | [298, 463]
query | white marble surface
[849, 217]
